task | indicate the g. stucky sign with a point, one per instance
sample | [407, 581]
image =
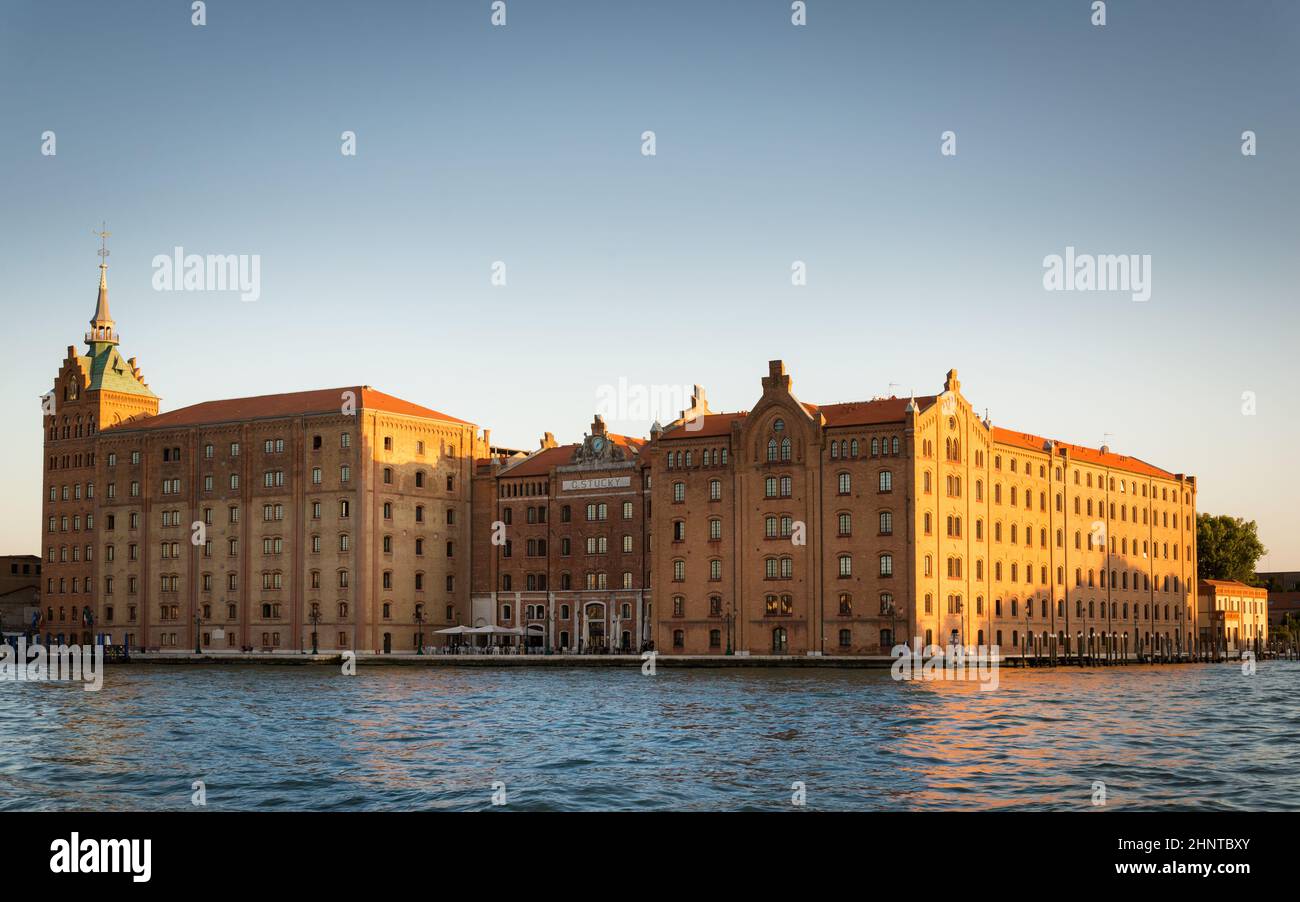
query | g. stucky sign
[607, 482]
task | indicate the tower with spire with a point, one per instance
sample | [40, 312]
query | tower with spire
[115, 381]
[93, 390]
[101, 324]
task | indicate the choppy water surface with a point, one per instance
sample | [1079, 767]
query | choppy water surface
[281, 737]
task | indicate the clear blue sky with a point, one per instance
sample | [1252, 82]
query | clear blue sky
[775, 144]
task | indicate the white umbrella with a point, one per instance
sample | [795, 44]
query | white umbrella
[455, 630]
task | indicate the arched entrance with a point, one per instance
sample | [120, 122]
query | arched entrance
[594, 615]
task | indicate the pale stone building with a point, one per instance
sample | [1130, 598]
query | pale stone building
[1233, 616]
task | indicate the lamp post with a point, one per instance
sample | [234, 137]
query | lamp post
[419, 635]
[315, 622]
[198, 635]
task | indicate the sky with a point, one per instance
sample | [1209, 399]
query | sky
[774, 143]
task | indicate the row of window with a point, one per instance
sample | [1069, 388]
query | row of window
[271, 580]
[64, 523]
[71, 493]
[594, 545]
[270, 446]
[591, 579]
[596, 511]
[880, 446]
[783, 605]
[709, 457]
[783, 486]
[782, 567]
[67, 461]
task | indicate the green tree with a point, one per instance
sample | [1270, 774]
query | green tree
[1227, 548]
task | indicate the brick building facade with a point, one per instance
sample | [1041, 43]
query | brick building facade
[252, 522]
[363, 521]
[568, 562]
[794, 528]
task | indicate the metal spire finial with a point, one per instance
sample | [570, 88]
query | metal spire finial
[103, 251]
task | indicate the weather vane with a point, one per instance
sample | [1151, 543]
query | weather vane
[103, 244]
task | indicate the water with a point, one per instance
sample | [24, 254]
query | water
[1201, 737]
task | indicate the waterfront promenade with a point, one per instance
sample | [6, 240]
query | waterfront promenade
[625, 661]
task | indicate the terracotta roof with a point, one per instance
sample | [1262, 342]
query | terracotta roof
[539, 463]
[1080, 453]
[1233, 584]
[626, 441]
[868, 413]
[289, 404]
[713, 425]
[851, 413]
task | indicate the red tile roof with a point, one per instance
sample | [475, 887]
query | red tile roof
[868, 413]
[1080, 453]
[712, 425]
[1233, 585]
[540, 462]
[288, 404]
[626, 441]
[851, 413]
